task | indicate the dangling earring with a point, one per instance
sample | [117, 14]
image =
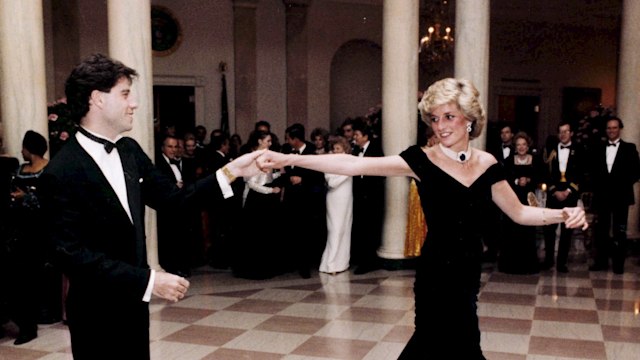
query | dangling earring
[469, 127]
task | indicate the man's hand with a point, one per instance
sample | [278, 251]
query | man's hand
[169, 286]
[245, 165]
[295, 180]
[272, 160]
[561, 195]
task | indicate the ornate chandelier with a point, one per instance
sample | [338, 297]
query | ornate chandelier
[437, 44]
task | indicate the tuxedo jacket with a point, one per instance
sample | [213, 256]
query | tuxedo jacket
[574, 175]
[369, 188]
[310, 189]
[163, 166]
[100, 249]
[615, 188]
[497, 152]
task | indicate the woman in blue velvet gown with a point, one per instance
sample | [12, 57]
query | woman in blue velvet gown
[457, 182]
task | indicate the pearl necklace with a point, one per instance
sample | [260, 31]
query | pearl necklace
[519, 161]
[461, 157]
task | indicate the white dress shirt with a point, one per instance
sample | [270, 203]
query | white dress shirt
[563, 157]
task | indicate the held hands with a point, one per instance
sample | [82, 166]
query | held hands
[272, 160]
[169, 286]
[575, 218]
[246, 165]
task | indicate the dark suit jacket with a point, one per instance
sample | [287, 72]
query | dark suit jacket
[370, 188]
[615, 188]
[312, 181]
[163, 166]
[574, 174]
[497, 152]
[573, 177]
[96, 244]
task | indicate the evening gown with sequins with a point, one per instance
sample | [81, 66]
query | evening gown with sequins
[448, 269]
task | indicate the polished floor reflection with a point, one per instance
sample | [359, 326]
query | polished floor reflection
[579, 315]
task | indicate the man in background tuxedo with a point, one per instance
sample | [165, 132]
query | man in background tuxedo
[368, 205]
[566, 172]
[94, 194]
[172, 249]
[615, 168]
[506, 148]
[304, 206]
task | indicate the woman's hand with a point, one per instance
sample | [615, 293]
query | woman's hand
[575, 218]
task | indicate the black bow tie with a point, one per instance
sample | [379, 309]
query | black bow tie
[565, 147]
[612, 144]
[108, 145]
[174, 162]
[504, 146]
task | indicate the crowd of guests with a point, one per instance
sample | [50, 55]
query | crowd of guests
[599, 172]
[329, 222]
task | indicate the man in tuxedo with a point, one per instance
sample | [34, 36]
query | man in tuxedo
[506, 148]
[566, 171]
[304, 206]
[94, 194]
[172, 250]
[222, 221]
[615, 168]
[368, 205]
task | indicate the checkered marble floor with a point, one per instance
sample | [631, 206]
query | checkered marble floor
[579, 315]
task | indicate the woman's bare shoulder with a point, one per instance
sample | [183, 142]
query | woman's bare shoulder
[485, 159]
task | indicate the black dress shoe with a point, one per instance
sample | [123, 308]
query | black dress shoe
[25, 337]
[598, 267]
[304, 273]
[562, 269]
[618, 268]
[546, 265]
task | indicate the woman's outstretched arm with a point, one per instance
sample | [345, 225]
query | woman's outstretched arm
[508, 202]
[341, 164]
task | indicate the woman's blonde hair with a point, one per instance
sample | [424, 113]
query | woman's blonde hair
[460, 92]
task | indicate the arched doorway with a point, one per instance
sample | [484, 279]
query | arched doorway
[356, 80]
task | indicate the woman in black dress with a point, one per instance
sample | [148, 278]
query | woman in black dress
[27, 249]
[519, 253]
[258, 256]
[457, 182]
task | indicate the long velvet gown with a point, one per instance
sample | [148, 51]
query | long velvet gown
[448, 269]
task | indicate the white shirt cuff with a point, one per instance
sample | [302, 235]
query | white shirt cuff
[147, 294]
[223, 182]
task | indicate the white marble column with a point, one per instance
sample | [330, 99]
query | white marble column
[130, 42]
[23, 81]
[245, 68]
[628, 91]
[297, 66]
[472, 50]
[399, 111]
